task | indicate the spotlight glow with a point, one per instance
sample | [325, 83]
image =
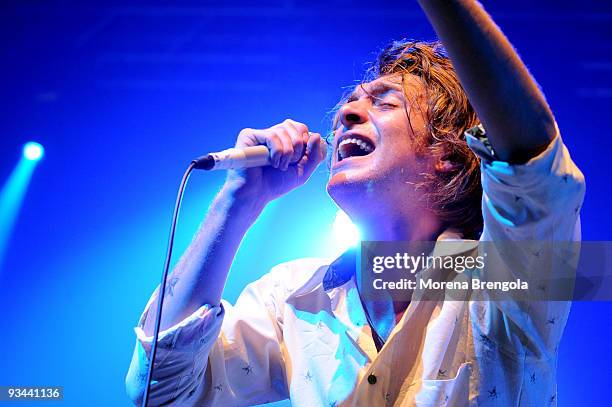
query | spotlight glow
[345, 232]
[33, 151]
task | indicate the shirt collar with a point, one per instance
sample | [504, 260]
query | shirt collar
[342, 269]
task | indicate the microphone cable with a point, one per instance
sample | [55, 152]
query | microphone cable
[162, 285]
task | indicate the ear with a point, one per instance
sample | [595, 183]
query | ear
[445, 166]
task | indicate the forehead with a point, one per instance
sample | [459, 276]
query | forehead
[379, 85]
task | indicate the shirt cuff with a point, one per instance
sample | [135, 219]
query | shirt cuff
[553, 160]
[193, 333]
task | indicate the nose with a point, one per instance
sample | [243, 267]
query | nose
[353, 112]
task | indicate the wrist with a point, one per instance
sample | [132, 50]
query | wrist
[241, 203]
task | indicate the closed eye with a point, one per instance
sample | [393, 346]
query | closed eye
[386, 100]
[385, 103]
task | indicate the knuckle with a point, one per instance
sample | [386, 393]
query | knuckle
[275, 140]
[301, 127]
[245, 131]
[283, 135]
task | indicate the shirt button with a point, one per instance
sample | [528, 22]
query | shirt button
[372, 379]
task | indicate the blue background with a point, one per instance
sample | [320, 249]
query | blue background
[123, 94]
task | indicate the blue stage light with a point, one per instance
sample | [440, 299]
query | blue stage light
[33, 151]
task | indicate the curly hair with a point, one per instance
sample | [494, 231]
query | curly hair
[454, 195]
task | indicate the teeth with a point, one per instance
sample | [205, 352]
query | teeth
[362, 144]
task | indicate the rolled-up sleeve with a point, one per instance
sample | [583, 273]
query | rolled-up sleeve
[219, 355]
[531, 212]
[521, 201]
[181, 357]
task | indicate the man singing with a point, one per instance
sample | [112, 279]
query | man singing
[402, 170]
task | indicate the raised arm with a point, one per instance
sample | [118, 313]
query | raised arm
[506, 98]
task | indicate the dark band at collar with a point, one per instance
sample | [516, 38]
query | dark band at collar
[340, 270]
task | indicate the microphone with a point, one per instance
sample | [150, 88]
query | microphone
[234, 158]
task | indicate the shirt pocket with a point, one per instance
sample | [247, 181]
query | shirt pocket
[447, 392]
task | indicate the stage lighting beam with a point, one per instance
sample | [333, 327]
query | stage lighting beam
[13, 192]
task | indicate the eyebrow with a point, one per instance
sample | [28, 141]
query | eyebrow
[376, 90]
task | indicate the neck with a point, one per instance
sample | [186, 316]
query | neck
[424, 227]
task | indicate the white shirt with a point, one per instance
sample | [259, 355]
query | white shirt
[300, 332]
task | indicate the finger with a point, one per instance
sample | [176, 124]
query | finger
[299, 137]
[274, 144]
[305, 137]
[250, 137]
[297, 141]
[253, 137]
[315, 153]
[287, 154]
[276, 147]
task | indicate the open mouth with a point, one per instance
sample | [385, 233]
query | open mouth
[354, 146]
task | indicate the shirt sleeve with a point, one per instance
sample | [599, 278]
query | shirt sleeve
[219, 355]
[531, 215]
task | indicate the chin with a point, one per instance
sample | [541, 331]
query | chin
[352, 191]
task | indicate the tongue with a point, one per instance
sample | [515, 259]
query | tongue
[351, 150]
